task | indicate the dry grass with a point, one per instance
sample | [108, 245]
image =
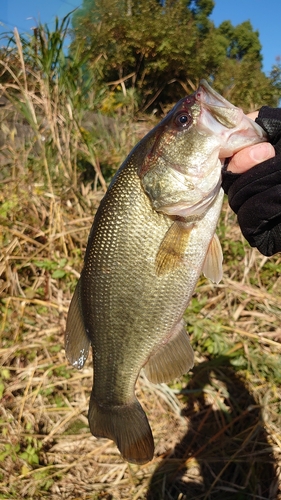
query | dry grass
[217, 431]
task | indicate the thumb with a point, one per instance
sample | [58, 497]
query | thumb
[249, 157]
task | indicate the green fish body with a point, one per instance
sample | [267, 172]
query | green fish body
[152, 236]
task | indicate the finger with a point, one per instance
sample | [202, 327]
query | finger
[249, 157]
[253, 115]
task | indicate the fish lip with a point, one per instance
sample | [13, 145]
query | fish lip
[206, 96]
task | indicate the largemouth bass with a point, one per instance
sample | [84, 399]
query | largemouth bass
[152, 236]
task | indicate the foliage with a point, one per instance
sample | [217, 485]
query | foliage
[50, 92]
[162, 51]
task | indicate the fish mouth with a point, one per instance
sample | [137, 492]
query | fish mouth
[216, 111]
[207, 96]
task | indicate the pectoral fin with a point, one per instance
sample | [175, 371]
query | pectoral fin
[77, 342]
[171, 360]
[212, 267]
[173, 247]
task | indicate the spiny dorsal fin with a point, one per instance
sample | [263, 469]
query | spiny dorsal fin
[212, 267]
[77, 342]
[171, 360]
[173, 247]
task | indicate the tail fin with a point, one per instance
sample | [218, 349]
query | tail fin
[127, 425]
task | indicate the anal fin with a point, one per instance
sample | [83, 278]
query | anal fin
[77, 342]
[173, 247]
[172, 359]
[212, 267]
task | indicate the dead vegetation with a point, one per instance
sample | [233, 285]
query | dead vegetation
[217, 430]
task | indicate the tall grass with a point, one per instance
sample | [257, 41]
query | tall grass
[217, 430]
[52, 92]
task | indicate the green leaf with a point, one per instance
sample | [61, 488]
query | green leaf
[59, 273]
[2, 388]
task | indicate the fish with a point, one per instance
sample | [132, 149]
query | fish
[152, 236]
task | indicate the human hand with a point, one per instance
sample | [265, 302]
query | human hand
[251, 156]
[255, 196]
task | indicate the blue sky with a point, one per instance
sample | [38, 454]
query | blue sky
[265, 17]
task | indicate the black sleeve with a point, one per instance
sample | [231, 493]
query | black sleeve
[255, 196]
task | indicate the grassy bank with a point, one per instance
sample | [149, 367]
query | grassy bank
[217, 430]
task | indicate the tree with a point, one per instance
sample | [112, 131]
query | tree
[160, 50]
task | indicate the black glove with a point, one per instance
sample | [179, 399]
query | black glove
[255, 196]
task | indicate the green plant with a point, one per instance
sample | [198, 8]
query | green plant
[51, 92]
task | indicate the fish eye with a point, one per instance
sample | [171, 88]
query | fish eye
[183, 119]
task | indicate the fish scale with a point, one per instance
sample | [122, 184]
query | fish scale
[152, 236]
